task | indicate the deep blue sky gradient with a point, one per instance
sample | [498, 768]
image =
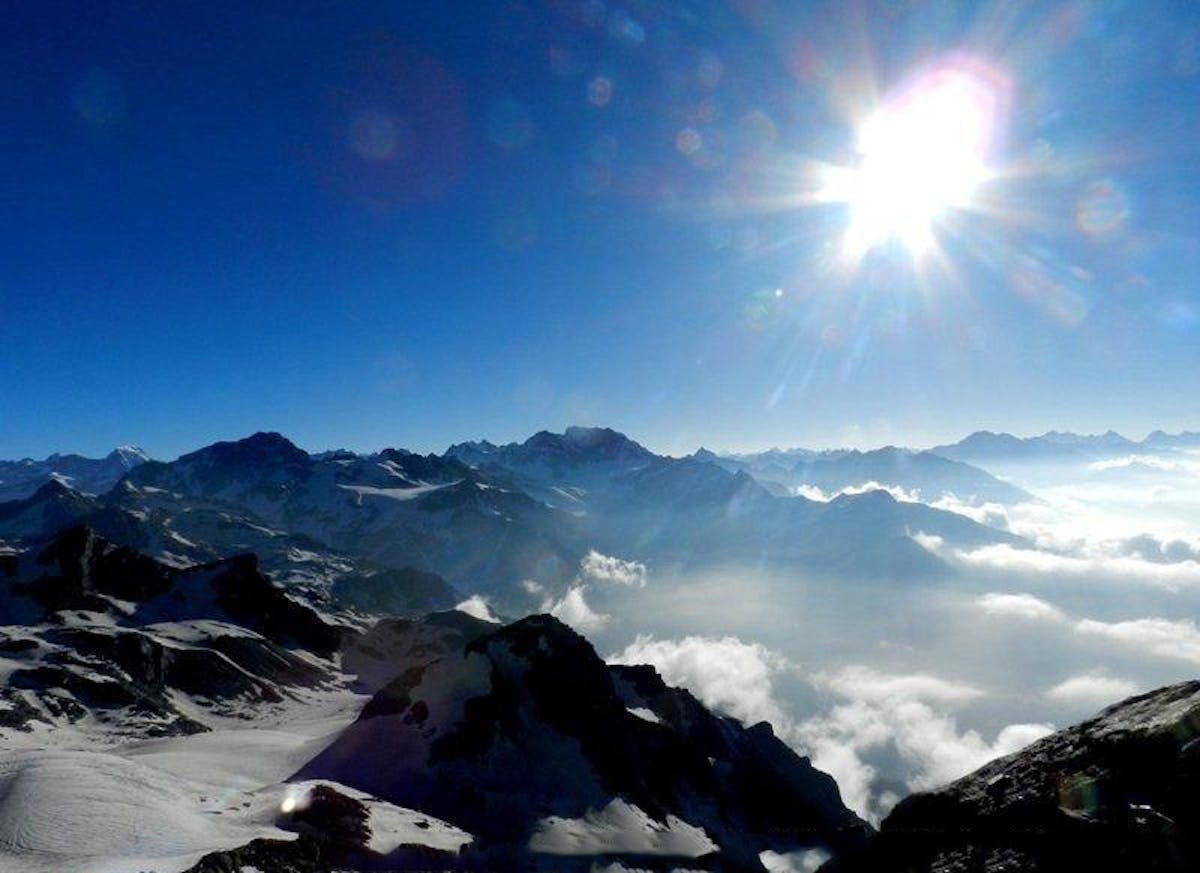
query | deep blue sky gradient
[391, 223]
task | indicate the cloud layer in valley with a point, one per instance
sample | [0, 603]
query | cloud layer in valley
[903, 715]
[595, 569]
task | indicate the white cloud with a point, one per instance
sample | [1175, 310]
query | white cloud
[991, 514]
[477, 606]
[812, 492]
[1148, 463]
[805, 861]
[1099, 520]
[874, 711]
[596, 567]
[573, 609]
[726, 674]
[1024, 606]
[1092, 690]
[906, 713]
[863, 683]
[930, 542]
[1179, 640]
[1037, 562]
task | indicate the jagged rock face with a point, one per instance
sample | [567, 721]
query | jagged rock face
[254, 602]
[304, 855]
[185, 531]
[505, 731]
[55, 507]
[484, 518]
[98, 630]
[84, 569]
[394, 509]
[131, 676]
[80, 570]
[1115, 794]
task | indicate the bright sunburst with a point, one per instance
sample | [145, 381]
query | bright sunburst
[921, 154]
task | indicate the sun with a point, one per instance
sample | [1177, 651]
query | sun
[920, 155]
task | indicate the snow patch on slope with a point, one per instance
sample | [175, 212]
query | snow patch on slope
[620, 829]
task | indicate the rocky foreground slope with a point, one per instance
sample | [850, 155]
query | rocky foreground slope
[522, 736]
[164, 718]
[104, 639]
[1119, 793]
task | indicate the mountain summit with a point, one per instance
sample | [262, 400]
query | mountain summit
[20, 479]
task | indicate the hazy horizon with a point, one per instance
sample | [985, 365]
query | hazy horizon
[673, 450]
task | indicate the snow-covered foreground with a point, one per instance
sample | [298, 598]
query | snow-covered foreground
[159, 806]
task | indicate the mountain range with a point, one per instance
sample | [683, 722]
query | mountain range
[89, 475]
[201, 719]
[986, 447]
[456, 743]
[927, 474]
[244, 659]
[398, 531]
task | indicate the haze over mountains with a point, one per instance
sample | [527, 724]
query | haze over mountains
[89, 475]
[983, 447]
[923, 472]
[243, 657]
[107, 648]
[513, 522]
[487, 518]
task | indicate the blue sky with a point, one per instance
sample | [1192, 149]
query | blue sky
[407, 224]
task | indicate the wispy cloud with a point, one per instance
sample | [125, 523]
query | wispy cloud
[1164, 638]
[573, 609]
[595, 568]
[1168, 464]
[1025, 606]
[477, 605]
[1004, 558]
[873, 712]
[909, 714]
[1092, 690]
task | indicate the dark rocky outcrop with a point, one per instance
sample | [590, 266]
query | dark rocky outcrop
[84, 569]
[81, 570]
[1115, 794]
[254, 601]
[404, 591]
[303, 855]
[103, 630]
[55, 507]
[496, 728]
[334, 834]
